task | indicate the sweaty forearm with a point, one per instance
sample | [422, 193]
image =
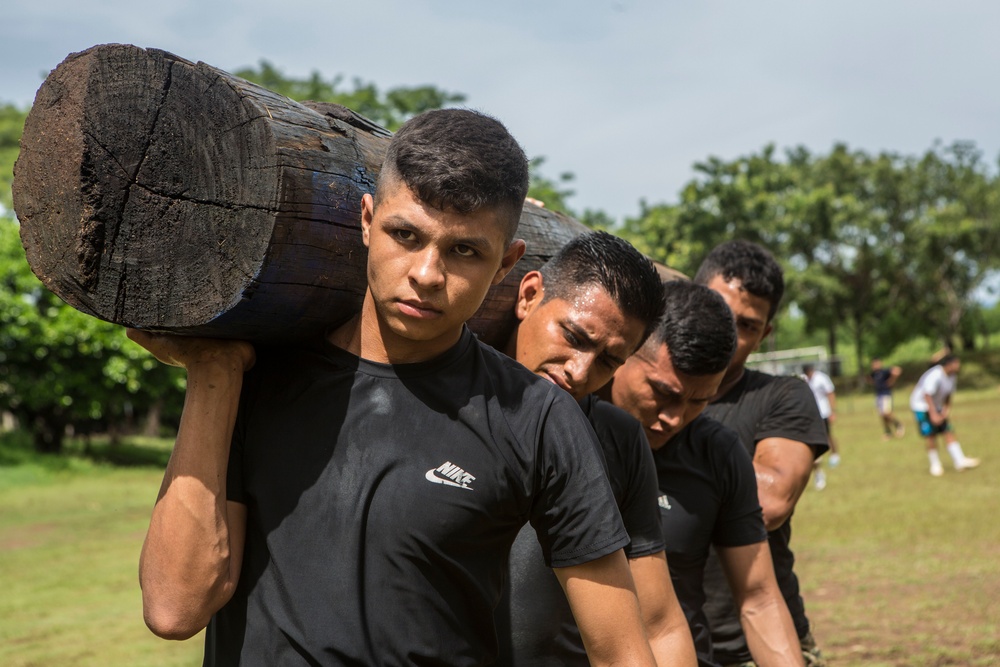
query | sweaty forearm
[770, 633]
[777, 500]
[187, 568]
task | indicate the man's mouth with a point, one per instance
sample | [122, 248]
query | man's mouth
[557, 380]
[419, 309]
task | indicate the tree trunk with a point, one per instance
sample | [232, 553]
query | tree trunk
[162, 194]
[47, 431]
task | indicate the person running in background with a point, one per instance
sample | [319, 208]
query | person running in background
[931, 405]
[826, 400]
[883, 380]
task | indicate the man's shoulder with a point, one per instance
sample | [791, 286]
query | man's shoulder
[605, 416]
[514, 383]
[765, 389]
[705, 432]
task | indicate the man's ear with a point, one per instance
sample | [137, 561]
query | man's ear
[529, 294]
[768, 328]
[513, 253]
[367, 216]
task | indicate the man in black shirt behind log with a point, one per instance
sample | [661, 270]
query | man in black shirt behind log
[354, 501]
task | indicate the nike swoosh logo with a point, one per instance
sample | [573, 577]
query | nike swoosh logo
[432, 477]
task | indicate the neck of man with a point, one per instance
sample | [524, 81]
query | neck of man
[510, 347]
[729, 380]
[367, 336]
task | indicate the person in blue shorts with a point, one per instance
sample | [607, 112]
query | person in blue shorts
[931, 405]
[882, 380]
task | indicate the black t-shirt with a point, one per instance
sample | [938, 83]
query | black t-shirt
[762, 406]
[382, 502]
[533, 619]
[880, 380]
[708, 496]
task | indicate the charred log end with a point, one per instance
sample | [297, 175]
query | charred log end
[145, 187]
[89, 248]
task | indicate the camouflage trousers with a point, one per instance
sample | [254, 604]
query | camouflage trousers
[811, 655]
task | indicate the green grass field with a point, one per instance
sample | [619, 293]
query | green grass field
[897, 568]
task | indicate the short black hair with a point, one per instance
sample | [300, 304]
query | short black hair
[947, 359]
[613, 264]
[697, 327]
[808, 368]
[461, 160]
[753, 265]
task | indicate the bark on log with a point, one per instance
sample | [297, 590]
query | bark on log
[158, 193]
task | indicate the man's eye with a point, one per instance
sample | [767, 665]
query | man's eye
[570, 337]
[404, 235]
[465, 251]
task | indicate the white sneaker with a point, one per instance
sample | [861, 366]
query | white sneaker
[967, 464]
[937, 469]
[834, 460]
[820, 480]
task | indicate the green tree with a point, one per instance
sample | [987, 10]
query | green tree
[60, 367]
[552, 193]
[882, 247]
[11, 125]
[390, 109]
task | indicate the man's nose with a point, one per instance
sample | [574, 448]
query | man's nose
[578, 368]
[428, 269]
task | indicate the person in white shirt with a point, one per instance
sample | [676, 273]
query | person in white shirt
[931, 405]
[826, 400]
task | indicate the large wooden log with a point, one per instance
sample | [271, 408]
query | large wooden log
[163, 194]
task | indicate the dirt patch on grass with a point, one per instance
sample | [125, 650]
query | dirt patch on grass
[950, 619]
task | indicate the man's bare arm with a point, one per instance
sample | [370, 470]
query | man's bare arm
[767, 624]
[191, 557]
[666, 626]
[783, 467]
[602, 597]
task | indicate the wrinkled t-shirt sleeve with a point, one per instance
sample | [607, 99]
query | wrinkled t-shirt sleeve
[574, 513]
[234, 473]
[639, 508]
[740, 520]
[792, 414]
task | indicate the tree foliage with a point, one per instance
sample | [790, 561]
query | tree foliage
[11, 125]
[886, 246]
[390, 109]
[59, 367]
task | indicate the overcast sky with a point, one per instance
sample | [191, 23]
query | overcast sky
[627, 94]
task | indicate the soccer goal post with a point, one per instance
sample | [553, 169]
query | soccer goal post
[790, 362]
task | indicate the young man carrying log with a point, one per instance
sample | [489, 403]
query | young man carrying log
[708, 491]
[354, 502]
[579, 318]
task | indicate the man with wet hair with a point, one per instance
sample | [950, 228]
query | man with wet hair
[353, 501]
[779, 424]
[708, 490]
[579, 318]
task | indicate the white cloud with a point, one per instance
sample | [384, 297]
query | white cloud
[626, 93]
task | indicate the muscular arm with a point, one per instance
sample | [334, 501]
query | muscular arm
[782, 468]
[666, 626]
[191, 557]
[602, 597]
[766, 622]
